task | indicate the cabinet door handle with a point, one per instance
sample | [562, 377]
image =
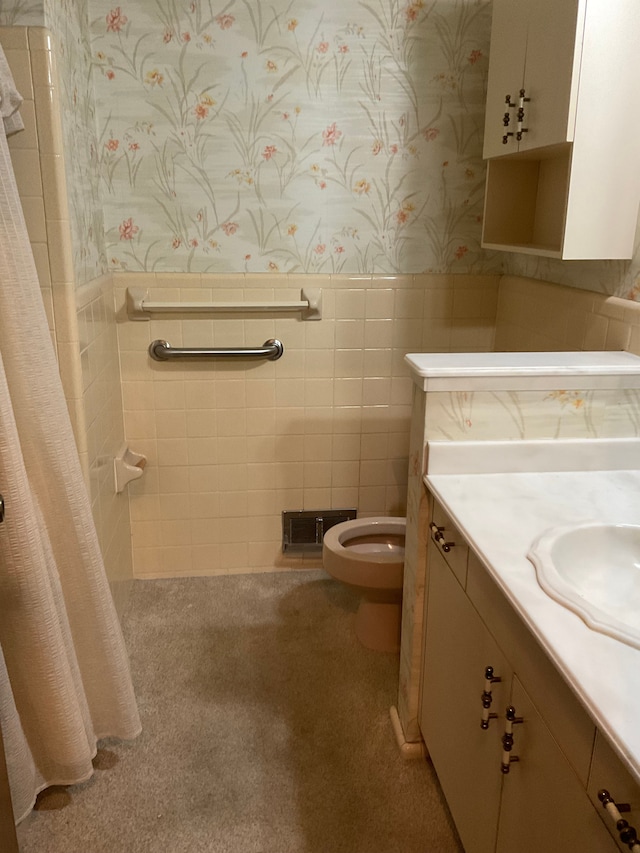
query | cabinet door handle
[439, 538]
[627, 833]
[507, 739]
[487, 697]
[520, 129]
[506, 120]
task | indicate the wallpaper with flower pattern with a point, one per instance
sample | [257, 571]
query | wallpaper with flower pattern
[291, 136]
[514, 415]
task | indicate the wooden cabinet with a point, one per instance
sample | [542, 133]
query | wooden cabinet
[458, 648]
[535, 46]
[542, 802]
[544, 806]
[570, 187]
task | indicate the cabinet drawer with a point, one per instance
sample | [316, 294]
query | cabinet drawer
[607, 772]
[450, 543]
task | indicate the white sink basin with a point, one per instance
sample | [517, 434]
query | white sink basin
[594, 570]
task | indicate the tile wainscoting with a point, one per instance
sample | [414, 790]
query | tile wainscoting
[535, 315]
[97, 353]
[231, 445]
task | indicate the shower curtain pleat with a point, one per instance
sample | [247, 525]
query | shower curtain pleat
[64, 673]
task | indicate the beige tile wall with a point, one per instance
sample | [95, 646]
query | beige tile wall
[82, 323]
[36, 154]
[27, 52]
[538, 315]
[102, 396]
[231, 445]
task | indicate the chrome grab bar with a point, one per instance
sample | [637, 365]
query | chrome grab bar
[163, 351]
[139, 306]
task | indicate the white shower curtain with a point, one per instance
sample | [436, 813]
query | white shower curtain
[64, 673]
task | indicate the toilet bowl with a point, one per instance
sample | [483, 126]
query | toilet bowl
[367, 554]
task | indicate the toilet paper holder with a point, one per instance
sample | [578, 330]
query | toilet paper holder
[127, 466]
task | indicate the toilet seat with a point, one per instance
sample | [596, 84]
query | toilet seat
[356, 552]
[340, 538]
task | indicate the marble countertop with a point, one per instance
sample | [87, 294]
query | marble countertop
[501, 514]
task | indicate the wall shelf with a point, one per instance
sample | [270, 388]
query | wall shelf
[526, 202]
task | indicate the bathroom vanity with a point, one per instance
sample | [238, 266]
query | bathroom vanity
[527, 713]
[495, 641]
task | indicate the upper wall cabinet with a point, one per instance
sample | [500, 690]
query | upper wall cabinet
[535, 46]
[563, 176]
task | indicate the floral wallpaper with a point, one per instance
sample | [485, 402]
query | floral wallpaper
[513, 415]
[292, 136]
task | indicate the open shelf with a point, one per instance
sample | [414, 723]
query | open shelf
[526, 201]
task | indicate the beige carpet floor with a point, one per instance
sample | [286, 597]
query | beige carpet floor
[266, 730]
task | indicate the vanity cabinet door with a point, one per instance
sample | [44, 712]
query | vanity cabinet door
[609, 774]
[458, 648]
[544, 805]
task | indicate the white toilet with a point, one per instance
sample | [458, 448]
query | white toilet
[367, 554]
